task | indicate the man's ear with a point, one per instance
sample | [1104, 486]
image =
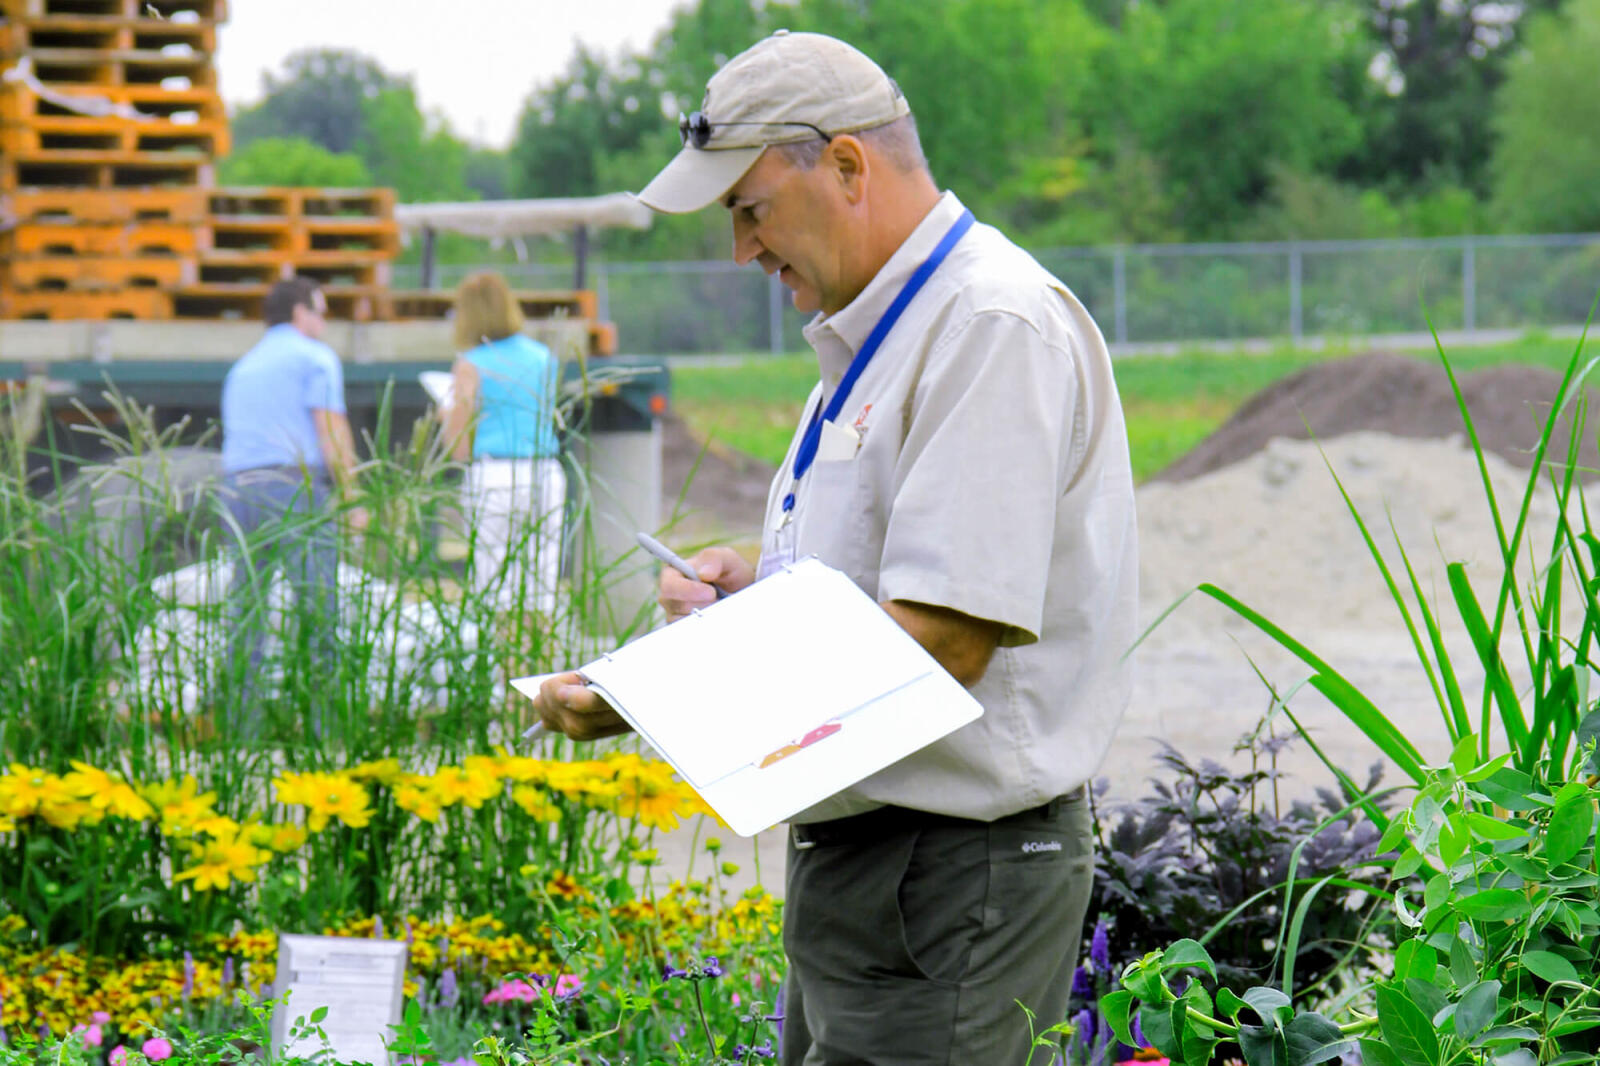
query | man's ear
[848, 158]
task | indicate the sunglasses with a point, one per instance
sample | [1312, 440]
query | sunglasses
[696, 129]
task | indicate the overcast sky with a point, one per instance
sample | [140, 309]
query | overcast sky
[473, 60]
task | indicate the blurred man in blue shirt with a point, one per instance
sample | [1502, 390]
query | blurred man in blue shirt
[286, 448]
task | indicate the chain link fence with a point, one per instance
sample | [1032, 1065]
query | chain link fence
[1145, 294]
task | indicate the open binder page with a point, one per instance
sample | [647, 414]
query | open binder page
[766, 673]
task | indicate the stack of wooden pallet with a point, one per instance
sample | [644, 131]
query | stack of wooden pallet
[110, 124]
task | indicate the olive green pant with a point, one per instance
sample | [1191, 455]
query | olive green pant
[912, 939]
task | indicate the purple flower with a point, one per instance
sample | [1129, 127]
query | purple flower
[1082, 985]
[670, 972]
[1138, 1033]
[377, 927]
[1100, 948]
[448, 992]
[188, 975]
[1083, 1030]
[227, 971]
[712, 968]
[744, 1052]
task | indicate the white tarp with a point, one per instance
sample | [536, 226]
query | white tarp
[500, 220]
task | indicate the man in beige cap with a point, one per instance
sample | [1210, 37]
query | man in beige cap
[964, 460]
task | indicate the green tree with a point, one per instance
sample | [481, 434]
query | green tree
[1547, 116]
[1218, 93]
[348, 103]
[293, 161]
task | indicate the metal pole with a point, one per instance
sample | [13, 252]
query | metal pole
[1297, 324]
[602, 290]
[1469, 286]
[1119, 286]
[426, 280]
[774, 315]
[580, 253]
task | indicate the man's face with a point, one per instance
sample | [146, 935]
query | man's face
[789, 221]
[312, 320]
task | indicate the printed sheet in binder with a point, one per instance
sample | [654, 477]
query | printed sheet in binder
[781, 695]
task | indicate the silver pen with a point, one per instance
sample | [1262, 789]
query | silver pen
[671, 558]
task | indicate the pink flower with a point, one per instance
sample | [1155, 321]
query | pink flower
[92, 1034]
[568, 984]
[157, 1049]
[513, 991]
[100, 1017]
[736, 999]
[119, 1056]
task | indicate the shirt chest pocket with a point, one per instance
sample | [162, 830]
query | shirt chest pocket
[833, 522]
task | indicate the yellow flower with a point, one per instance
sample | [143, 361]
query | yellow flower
[414, 794]
[653, 804]
[280, 838]
[181, 805]
[471, 785]
[25, 790]
[383, 772]
[536, 803]
[294, 789]
[341, 798]
[221, 861]
[588, 781]
[107, 793]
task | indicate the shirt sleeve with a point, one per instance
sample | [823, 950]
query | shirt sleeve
[323, 384]
[972, 521]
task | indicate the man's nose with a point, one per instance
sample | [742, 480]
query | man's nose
[745, 246]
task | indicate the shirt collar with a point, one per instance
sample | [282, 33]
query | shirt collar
[837, 337]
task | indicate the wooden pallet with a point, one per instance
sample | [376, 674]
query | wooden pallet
[92, 274]
[335, 270]
[288, 202]
[180, 205]
[90, 239]
[247, 302]
[171, 10]
[20, 104]
[346, 236]
[24, 35]
[92, 306]
[45, 136]
[555, 303]
[88, 66]
[103, 170]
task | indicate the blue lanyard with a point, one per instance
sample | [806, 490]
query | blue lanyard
[808, 444]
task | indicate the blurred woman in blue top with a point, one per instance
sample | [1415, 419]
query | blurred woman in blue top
[502, 422]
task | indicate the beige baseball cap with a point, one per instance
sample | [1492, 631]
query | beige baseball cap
[788, 87]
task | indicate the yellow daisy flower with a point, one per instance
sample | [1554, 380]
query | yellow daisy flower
[221, 861]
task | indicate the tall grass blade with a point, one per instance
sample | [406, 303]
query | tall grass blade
[1339, 691]
[1497, 679]
[1457, 724]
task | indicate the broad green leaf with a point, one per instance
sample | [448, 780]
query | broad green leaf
[1377, 1053]
[1392, 837]
[1157, 1025]
[1415, 959]
[1312, 1039]
[1477, 1009]
[1114, 1007]
[1517, 1056]
[1465, 755]
[1437, 891]
[1493, 828]
[1454, 837]
[1263, 1047]
[1187, 953]
[1501, 1034]
[1512, 789]
[1272, 1005]
[1145, 983]
[1429, 998]
[1228, 1004]
[1409, 862]
[1406, 1029]
[1463, 969]
[1569, 1026]
[1527, 867]
[1570, 827]
[1403, 913]
[1549, 965]
[318, 1015]
[1488, 769]
[1494, 904]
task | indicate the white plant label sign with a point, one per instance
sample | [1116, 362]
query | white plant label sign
[360, 982]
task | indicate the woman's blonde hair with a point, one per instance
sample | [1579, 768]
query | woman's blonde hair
[485, 311]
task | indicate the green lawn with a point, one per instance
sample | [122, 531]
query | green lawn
[1171, 401]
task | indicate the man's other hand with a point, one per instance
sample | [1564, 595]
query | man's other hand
[567, 705]
[722, 567]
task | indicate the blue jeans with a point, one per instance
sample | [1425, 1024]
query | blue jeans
[282, 516]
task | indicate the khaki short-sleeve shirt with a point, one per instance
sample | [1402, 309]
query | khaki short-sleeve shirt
[992, 478]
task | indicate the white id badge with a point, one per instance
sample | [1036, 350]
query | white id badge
[778, 546]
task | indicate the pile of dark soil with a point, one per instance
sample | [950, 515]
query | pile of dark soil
[1401, 396]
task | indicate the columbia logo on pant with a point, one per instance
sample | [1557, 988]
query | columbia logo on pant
[1041, 845]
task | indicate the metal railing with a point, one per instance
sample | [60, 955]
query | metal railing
[1147, 294]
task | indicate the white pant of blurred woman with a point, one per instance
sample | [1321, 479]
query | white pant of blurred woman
[515, 510]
